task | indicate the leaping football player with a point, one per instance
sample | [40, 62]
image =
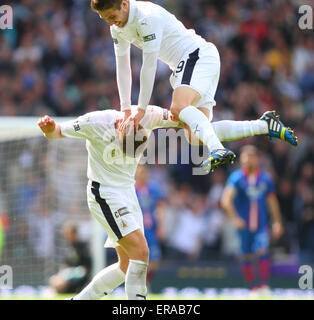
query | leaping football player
[194, 61]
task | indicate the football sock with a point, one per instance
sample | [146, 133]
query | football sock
[248, 273]
[103, 283]
[201, 127]
[135, 280]
[227, 130]
[264, 269]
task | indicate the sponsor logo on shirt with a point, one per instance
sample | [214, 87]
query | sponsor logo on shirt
[150, 37]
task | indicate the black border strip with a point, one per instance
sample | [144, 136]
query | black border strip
[105, 209]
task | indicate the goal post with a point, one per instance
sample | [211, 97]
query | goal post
[42, 185]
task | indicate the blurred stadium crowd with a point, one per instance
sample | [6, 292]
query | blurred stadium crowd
[59, 60]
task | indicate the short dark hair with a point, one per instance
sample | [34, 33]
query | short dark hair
[100, 5]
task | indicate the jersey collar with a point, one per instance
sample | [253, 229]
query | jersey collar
[132, 9]
[246, 173]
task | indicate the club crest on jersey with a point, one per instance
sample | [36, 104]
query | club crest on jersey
[76, 126]
[150, 37]
[165, 115]
[124, 225]
[115, 40]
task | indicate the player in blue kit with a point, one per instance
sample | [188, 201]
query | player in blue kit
[247, 199]
[152, 202]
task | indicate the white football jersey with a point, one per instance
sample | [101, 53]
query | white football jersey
[153, 29]
[106, 162]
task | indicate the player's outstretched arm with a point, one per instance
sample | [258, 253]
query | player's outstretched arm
[50, 128]
[147, 78]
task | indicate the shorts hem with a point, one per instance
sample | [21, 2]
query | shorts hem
[208, 105]
[110, 243]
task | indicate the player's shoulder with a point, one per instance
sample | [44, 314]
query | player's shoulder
[266, 176]
[100, 116]
[155, 110]
[237, 173]
[147, 7]
[235, 176]
[156, 117]
[149, 12]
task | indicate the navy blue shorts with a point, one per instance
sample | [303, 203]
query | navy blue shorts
[251, 242]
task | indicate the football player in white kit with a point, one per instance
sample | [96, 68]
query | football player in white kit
[195, 64]
[110, 190]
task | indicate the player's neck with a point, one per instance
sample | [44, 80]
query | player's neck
[251, 171]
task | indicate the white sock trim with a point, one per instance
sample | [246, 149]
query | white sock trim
[139, 262]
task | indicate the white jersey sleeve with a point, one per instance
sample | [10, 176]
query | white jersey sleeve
[121, 46]
[88, 126]
[77, 128]
[156, 117]
[147, 78]
[124, 80]
[123, 69]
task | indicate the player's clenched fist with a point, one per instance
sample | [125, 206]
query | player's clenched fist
[49, 127]
[46, 124]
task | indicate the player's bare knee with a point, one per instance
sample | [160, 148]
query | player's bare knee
[142, 253]
[142, 249]
[146, 253]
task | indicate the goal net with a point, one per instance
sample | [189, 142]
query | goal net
[42, 186]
